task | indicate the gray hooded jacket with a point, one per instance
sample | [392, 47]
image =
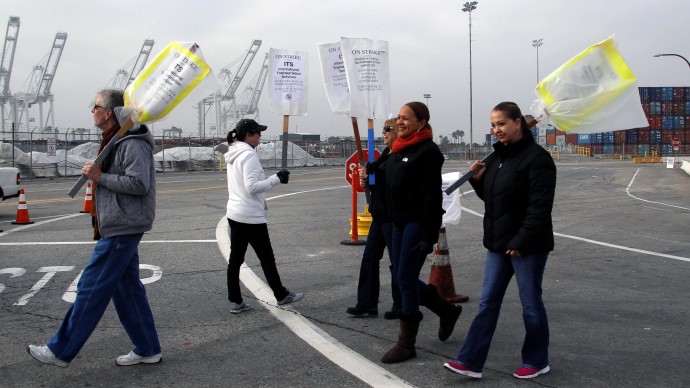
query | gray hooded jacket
[126, 193]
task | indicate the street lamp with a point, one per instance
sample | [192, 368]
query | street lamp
[469, 7]
[537, 43]
[427, 96]
[673, 55]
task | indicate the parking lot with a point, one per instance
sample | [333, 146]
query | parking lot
[615, 288]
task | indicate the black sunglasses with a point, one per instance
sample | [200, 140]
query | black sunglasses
[387, 128]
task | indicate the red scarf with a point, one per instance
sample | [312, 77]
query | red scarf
[404, 142]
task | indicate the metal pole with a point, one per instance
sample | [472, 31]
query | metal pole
[673, 55]
[537, 43]
[468, 7]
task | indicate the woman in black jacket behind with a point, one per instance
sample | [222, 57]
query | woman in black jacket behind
[414, 200]
[518, 186]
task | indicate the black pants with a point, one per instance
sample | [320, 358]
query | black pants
[242, 235]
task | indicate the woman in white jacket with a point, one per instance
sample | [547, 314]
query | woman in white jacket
[246, 213]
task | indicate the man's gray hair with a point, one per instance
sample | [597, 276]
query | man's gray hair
[112, 98]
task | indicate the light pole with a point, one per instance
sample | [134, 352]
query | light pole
[468, 7]
[537, 43]
[427, 96]
[673, 55]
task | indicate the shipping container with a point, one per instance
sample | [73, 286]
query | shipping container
[619, 137]
[644, 93]
[559, 132]
[654, 121]
[667, 135]
[571, 138]
[620, 149]
[631, 136]
[666, 122]
[542, 132]
[550, 138]
[584, 138]
[642, 136]
[654, 94]
[643, 150]
[679, 93]
[666, 107]
[655, 136]
[595, 149]
[666, 93]
[595, 138]
[687, 121]
[607, 149]
[678, 107]
[678, 122]
[687, 107]
[541, 140]
[560, 140]
[550, 130]
[677, 134]
[655, 107]
[607, 137]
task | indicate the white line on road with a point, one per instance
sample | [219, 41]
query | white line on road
[627, 190]
[342, 356]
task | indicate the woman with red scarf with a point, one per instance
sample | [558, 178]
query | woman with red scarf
[414, 198]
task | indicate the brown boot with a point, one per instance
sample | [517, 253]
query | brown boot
[447, 312]
[404, 349]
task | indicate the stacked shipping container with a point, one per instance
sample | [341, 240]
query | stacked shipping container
[668, 113]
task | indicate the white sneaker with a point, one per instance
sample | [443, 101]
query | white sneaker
[237, 308]
[45, 355]
[292, 297]
[132, 358]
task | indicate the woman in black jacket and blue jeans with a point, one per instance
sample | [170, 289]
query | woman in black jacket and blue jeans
[517, 186]
[414, 200]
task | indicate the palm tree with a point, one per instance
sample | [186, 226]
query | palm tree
[461, 134]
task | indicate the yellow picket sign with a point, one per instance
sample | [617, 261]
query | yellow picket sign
[592, 92]
[166, 81]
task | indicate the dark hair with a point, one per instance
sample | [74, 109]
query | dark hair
[421, 111]
[233, 135]
[512, 110]
[112, 98]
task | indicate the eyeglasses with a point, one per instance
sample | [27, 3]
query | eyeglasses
[387, 128]
[96, 106]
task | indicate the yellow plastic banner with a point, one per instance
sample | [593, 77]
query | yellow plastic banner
[166, 81]
[594, 91]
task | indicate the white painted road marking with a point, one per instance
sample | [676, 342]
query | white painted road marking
[342, 356]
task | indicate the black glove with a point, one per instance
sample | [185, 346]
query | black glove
[283, 175]
[370, 168]
[423, 247]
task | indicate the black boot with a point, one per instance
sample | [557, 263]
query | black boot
[404, 349]
[447, 312]
[359, 311]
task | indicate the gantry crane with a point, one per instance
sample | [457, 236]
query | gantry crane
[249, 101]
[6, 68]
[124, 76]
[225, 104]
[38, 89]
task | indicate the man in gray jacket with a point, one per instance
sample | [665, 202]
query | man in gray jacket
[124, 208]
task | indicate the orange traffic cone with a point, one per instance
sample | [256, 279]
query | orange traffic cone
[22, 210]
[441, 274]
[88, 200]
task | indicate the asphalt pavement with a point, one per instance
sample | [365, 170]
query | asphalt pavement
[615, 288]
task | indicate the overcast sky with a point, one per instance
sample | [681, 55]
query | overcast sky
[428, 43]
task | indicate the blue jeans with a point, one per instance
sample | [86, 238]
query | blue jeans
[112, 273]
[378, 238]
[529, 272]
[407, 263]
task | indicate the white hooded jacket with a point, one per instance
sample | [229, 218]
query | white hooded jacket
[247, 184]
